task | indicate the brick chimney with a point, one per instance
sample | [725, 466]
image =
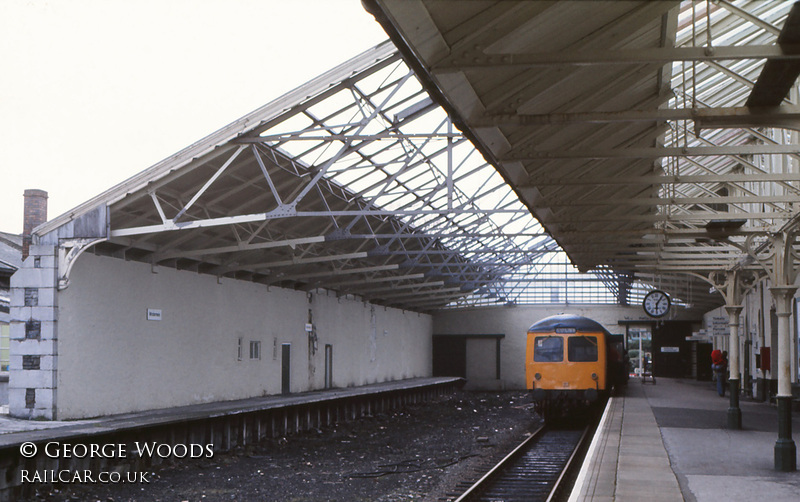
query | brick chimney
[35, 213]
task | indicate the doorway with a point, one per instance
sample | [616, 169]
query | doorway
[286, 350]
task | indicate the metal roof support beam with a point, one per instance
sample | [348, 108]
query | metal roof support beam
[418, 212]
[299, 136]
[653, 202]
[654, 153]
[419, 292]
[665, 55]
[335, 272]
[689, 216]
[445, 235]
[748, 17]
[433, 300]
[378, 280]
[285, 212]
[743, 116]
[208, 183]
[346, 148]
[388, 183]
[158, 207]
[667, 179]
[241, 247]
[730, 73]
[268, 266]
[779, 75]
[370, 290]
[499, 250]
[266, 175]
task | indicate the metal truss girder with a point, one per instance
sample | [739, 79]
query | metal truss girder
[208, 183]
[237, 248]
[434, 301]
[281, 212]
[467, 252]
[653, 153]
[457, 211]
[787, 116]
[395, 287]
[687, 217]
[343, 137]
[653, 202]
[447, 235]
[704, 117]
[418, 212]
[336, 273]
[420, 293]
[666, 179]
[377, 280]
[749, 17]
[664, 55]
[269, 265]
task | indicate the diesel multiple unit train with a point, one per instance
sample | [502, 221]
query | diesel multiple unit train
[571, 363]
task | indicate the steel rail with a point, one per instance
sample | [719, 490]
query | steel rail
[501, 470]
[481, 483]
[568, 467]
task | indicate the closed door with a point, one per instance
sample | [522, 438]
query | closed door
[286, 349]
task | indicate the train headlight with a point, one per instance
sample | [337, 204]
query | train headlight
[594, 376]
[537, 376]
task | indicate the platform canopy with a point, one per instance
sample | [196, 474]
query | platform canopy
[356, 183]
[449, 166]
[641, 134]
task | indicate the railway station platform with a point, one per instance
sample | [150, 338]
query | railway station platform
[220, 425]
[670, 442]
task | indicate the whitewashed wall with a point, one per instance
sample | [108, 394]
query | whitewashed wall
[112, 359]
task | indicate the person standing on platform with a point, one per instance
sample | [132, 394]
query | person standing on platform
[719, 365]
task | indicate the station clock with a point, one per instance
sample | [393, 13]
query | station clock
[656, 303]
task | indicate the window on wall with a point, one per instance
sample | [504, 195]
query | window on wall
[33, 329]
[239, 350]
[255, 349]
[31, 297]
[5, 347]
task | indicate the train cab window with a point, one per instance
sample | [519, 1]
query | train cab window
[548, 349]
[582, 349]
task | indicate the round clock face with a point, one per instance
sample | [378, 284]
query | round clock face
[656, 303]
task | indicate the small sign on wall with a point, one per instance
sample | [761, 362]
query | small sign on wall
[153, 314]
[673, 350]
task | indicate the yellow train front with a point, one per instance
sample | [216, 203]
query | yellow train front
[568, 364]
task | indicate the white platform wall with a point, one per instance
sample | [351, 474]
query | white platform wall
[112, 359]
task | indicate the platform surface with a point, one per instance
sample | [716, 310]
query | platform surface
[16, 431]
[670, 442]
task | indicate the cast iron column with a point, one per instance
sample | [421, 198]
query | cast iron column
[785, 450]
[734, 413]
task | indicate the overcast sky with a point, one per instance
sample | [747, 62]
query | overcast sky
[94, 91]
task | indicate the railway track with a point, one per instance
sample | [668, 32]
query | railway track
[534, 471]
